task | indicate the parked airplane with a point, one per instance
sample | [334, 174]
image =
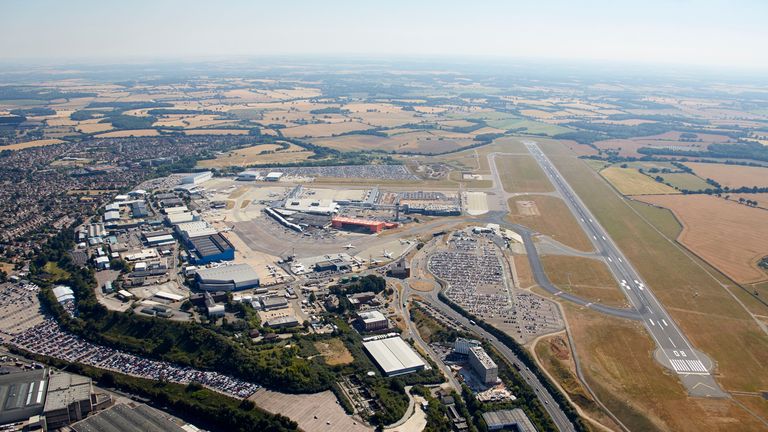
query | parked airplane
[386, 254]
[349, 246]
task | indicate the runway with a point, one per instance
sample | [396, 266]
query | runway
[674, 351]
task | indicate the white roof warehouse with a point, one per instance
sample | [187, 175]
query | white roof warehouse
[394, 356]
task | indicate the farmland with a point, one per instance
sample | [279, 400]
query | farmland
[629, 181]
[30, 144]
[551, 218]
[258, 154]
[405, 142]
[522, 174]
[733, 176]
[725, 234]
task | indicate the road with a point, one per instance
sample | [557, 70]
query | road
[674, 350]
[550, 405]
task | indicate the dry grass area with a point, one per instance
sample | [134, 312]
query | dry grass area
[323, 129]
[554, 219]
[334, 352]
[253, 155]
[30, 144]
[553, 353]
[617, 359]
[733, 176]
[630, 181]
[713, 316]
[421, 285]
[522, 174]
[523, 270]
[729, 236]
[585, 277]
[129, 133]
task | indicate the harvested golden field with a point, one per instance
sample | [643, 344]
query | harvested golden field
[334, 352]
[729, 236]
[254, 155]
[539, 114]
[128, 133]
[323, 129]
[554, 219]
[30, 144]
[191, 121]
[630, 181]
[216, 132]
[522, 174]
[92, 126]
[733, 176]
[761, 198]
[416, 142]
[585, 277]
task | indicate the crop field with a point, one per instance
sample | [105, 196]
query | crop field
[128, 133]
[685, 181]
[30, 144]
[629, 181]
[192, 121]
[334, 351]
[528, 126]
[522, 174]
[761, 198]
[426, 142]
[253, 156]
[733, 176]
[729, 236]
[323, 129]
[92, 126]
[584, 277]
[554, 219]
[690, 289]
[216, 132]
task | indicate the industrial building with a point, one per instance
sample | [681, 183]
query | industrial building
[129, 418]
[197, 178]
[15, 406]
[462, 345]
[188, 230]
[210, 248]
[177, 218]
[274, 176]
[372, 321]
[70, 398]
[365, 297]
[271, 303]
[333, 264]
[483, 365]
[283, 321]
[354, 224]
[213, 309]
[394, 356]
[227, 278]
[139, 209]
[248, 176]
[514, 419]
[400, 270]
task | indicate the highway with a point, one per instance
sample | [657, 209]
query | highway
[550, 405]
[674, 351]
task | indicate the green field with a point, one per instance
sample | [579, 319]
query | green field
[685, 181]
[522, 174]
[530, 126]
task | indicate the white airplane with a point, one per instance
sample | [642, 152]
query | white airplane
[349, 246]
[374, 261]
[386, 254]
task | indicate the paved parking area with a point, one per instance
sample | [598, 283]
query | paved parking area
[313, 412]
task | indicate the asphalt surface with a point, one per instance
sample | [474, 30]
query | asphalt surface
[550, 405]
[674, 350]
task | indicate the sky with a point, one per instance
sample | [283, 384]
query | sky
[727, 34]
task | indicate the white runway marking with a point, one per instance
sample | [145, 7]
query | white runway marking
[663, 321]
[609, 259]
[651, 321]
[673, 343]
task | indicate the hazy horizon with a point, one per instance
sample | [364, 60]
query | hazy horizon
[710, 34]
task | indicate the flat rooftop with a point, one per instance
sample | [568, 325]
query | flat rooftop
[394, 356]
[210, 245]
[505, 418]
[22, 395]
[483, 357]
[64, 388]
[230, 273]
[124, 418]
